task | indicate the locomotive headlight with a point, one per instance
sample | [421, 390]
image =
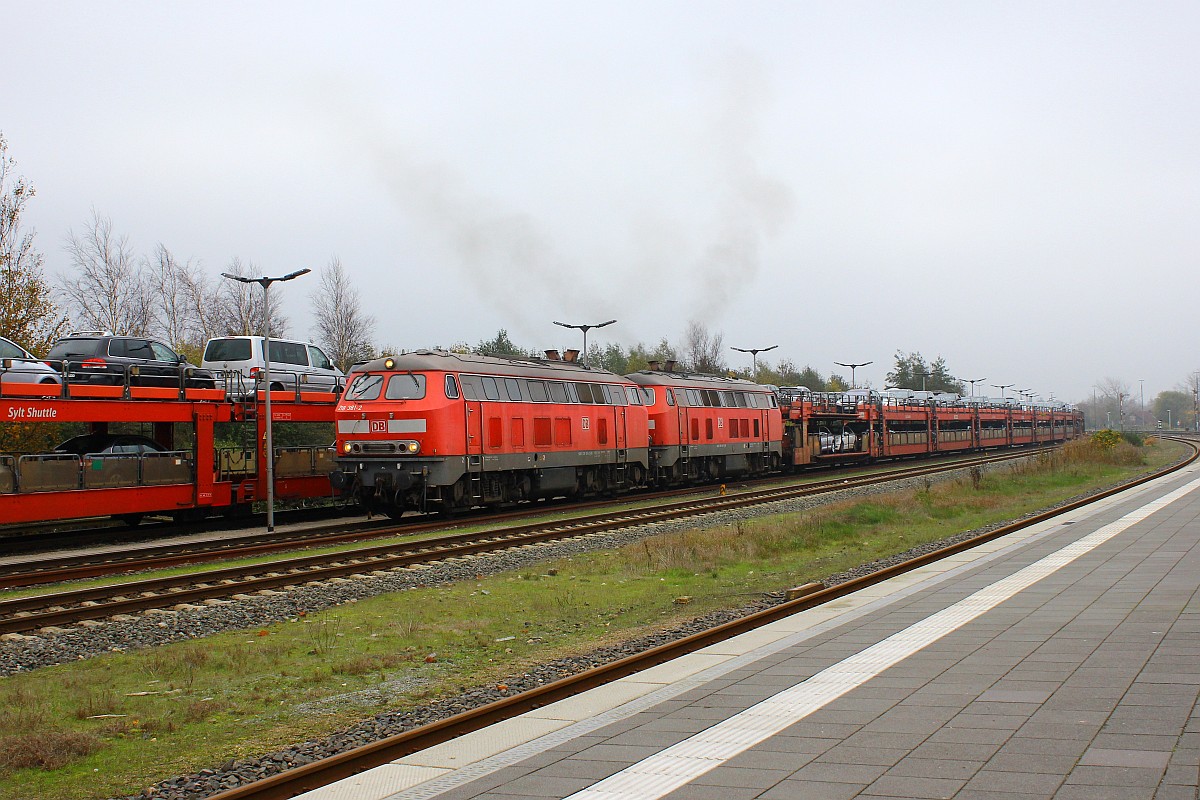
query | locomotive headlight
[413, 447]
[346, 447]
[389, 363]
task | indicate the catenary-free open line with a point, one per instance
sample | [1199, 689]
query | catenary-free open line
[662, 773]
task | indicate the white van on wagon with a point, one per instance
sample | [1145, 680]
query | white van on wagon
[241, 361]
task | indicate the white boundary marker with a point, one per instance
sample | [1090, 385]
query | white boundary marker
[662, 773]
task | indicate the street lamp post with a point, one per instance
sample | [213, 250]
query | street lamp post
[1142, 402]
[754, 351]
[585, 329]
[852, 367]
[265, 283]
[973, 381]
[1002, 387]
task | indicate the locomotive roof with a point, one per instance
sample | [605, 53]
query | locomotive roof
[649, 377]
[443, 360]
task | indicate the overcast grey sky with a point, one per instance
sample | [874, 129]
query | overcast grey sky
[1012, 185]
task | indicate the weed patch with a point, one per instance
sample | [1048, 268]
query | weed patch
[46, 750]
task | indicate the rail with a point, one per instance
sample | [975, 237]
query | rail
[74, 605]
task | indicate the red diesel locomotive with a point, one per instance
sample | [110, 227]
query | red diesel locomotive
[705, 427]
[433, 430]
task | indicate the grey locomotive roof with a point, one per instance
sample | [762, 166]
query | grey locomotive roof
[424, 360]
[657, 378]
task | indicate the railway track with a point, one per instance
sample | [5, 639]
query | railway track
[55, 568]
[351, 762]
[72, 606]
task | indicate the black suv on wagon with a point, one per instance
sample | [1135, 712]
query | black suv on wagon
[116, 360]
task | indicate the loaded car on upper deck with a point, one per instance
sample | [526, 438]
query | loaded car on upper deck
[433, 430]
[102, 358]
[241, 362]
[18, 365]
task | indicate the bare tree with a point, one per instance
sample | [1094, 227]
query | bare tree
[1116, 394]
[107, 290]
[1192, 386]
[702, 351]
[28, 314]
[342, 327]
[205, 308]
[173, 318]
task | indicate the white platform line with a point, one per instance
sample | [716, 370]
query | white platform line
[664, 772]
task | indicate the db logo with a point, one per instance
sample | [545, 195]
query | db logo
[378, 426]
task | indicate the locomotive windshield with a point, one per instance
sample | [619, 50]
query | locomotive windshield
[365, 387]
[408, 386]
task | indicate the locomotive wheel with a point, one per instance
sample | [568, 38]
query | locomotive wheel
[636, 476]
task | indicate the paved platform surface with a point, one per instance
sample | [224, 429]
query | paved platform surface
[1062, 663]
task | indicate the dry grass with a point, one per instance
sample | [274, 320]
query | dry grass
[46, 749]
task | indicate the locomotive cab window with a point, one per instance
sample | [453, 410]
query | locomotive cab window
[365, 387]
[451, 388]
[648, 395]
[405, 386]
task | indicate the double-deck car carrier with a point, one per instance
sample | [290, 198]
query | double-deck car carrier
[186, 479]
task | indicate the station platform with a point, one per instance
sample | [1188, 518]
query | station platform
[1060, 662]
